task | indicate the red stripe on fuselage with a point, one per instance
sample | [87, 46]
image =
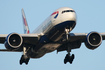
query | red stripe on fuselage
[55, 13]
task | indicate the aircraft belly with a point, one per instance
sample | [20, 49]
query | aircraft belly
[47, 48]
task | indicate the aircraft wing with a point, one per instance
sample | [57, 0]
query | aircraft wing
[77, 36]
[103, 35]
[75, 39]
[30, 38]
[82, 36]
[27, 39]
[2, 38]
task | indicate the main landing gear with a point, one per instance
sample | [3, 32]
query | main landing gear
[68, 58]
[24, 58]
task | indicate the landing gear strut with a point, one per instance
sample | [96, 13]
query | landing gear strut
[67, 30]
[68, 58]
[24, 58]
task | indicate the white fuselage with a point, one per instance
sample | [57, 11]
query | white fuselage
[51, 21]
[53, 28]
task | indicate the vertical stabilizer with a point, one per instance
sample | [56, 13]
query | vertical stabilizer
[26, 28]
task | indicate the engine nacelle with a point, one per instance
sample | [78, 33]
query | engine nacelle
[93, 40]
[13, 41]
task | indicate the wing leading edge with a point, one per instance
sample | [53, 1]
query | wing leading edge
[82, 36]
[26, 37]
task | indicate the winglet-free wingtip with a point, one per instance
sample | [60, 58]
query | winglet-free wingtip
[26, 28]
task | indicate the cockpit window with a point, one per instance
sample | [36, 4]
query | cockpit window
[68, 11]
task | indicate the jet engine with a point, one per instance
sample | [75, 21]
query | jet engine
[13, 41]
[93, 40]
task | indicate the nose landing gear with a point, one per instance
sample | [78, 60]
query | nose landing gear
[68, 58]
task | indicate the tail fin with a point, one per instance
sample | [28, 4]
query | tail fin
[26, 28]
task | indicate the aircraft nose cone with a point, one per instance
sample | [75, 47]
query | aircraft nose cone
[72, 17]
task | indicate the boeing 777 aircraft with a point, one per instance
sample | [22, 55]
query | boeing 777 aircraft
[53, 34]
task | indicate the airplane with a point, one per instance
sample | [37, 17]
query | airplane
[53, 34]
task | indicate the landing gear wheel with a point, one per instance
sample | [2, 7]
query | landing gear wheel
[66, 59]
[21, 62]
[24, 60]
[71, 58]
